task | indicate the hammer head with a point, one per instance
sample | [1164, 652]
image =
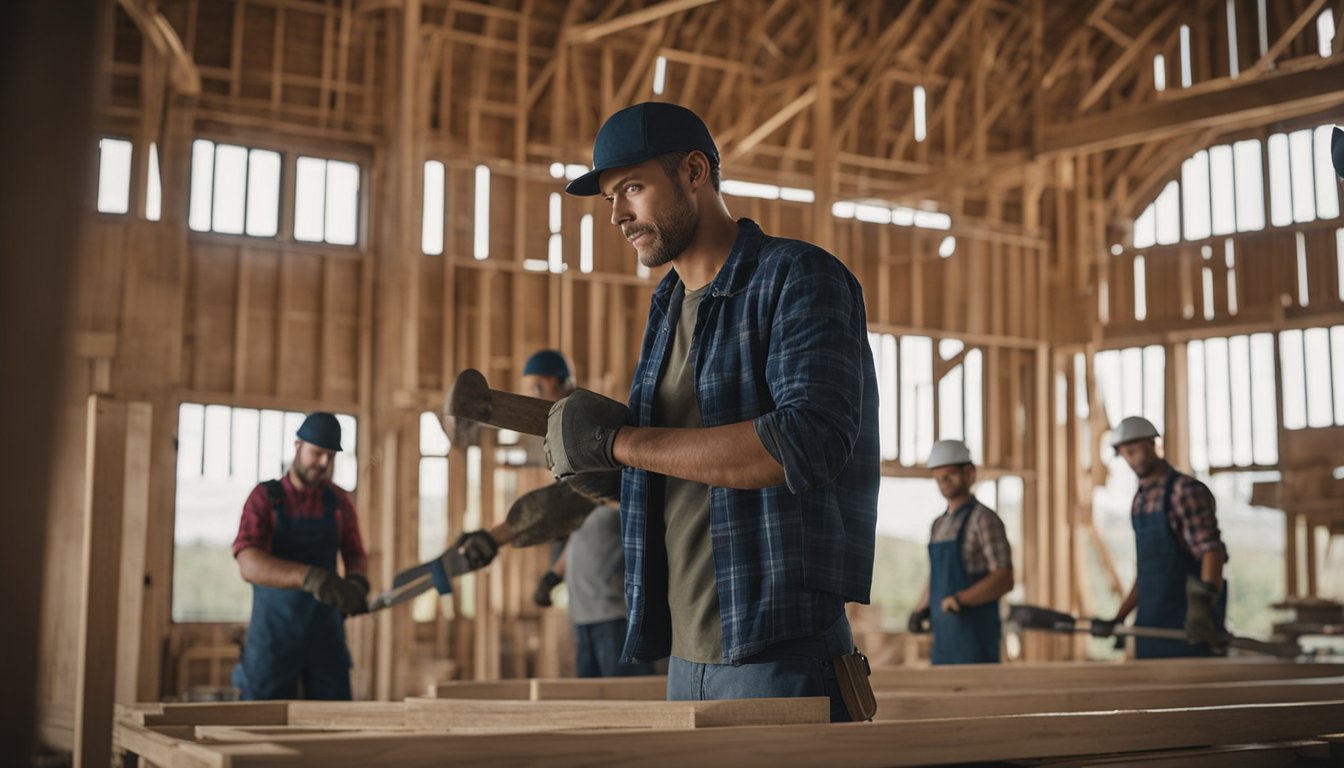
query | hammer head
[469, 397]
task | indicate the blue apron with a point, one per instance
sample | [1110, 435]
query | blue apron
[969, 637]
[1163, 565]
[292, 636]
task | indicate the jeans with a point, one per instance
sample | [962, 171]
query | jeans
[598, 647]
[793, 668]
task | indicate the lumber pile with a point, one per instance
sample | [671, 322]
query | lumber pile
[1210, 712]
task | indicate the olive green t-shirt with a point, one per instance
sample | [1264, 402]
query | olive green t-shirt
[691, 594]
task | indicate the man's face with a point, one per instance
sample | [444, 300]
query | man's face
[1140, 455]
[545, 387]
[656, 214]
[954, 481]
[313, 464]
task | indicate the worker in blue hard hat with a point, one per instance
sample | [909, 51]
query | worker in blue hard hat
[291, 532]
[1179, 582]
[970, 566]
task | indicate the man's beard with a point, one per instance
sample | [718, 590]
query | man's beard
[670, 233]
[310, 474]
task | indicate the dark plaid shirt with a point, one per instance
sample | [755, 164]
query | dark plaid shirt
[1192, 514]
[258, 522]
[782, 340]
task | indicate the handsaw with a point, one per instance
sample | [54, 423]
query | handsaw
[416, 580]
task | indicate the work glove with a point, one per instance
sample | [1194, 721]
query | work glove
[580, 433]
[600, 487]
[1199, 598]
[478, 547]
[549, 581]
[1102, 627]
[349, 596]
[918, 623]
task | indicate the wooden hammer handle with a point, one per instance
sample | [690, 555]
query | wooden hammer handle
[519, 413]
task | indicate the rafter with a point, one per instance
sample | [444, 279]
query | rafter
[587, 33]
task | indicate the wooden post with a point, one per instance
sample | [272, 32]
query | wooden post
[117, 446]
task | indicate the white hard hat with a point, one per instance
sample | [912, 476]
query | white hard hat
[949, 453]
[1133, 428]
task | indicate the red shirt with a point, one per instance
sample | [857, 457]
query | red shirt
[258, 521]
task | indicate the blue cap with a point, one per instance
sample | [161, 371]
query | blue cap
[641, 132]
[1337, 150]
[547, 362]
[321, 429]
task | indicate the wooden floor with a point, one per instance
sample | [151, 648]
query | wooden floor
[1206, 712]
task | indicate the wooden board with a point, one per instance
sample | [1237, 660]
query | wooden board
[448, 713]
[1094, 674]
[640, 688]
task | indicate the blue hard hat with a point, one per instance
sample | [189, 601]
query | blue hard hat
[321, 429]
[641, 132]
[547, 362]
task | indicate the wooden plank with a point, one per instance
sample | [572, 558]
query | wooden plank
[506, 690]
[914, 706]
[440, 713]
[640, 688]
[360, 714]
[587, 33]
[1084, 674]
[112, 432]
[231, 713]
[135, 528]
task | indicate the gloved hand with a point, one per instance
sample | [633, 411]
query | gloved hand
[600, 487]
[549, 581]
[478, 547]
[918, 623]
[580, 433]
[1199, 598]
[1102, 627]
[347, 596]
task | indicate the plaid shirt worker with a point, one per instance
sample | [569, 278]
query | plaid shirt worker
[1192, 514]
[984, 547]
[782, 338]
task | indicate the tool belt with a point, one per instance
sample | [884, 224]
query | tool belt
[852, 672]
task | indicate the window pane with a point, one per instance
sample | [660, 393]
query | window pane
[310, 185]
[1216, 388]
[1239, 373]
[950, 392]
[230, 189]
[1169, 214]
[1327, 188]
[1197, 402]
[114, 176]
[1107, 372]
[202, 182]
[916, 398]
[433, 440]
[1280, 185]
[1250, 186]
[1337, 362]
[975, 405]
[1140, 289]
[481, 230]
[1304, 176]
[1131, 379]
[342, 214]
[153, 186]
[431, 233]
[1145, 227]
[1264, 409]
[1320, 412]
[1195, 196]
[1222, 186]
[1294, 380]
[263, 193]
[1155, 385]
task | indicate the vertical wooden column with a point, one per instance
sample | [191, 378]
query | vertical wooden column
[116, 473]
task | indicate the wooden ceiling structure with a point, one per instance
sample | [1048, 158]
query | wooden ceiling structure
[1044, 137]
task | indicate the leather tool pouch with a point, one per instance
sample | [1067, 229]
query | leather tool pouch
[852, 671]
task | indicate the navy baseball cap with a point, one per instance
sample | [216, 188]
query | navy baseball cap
[644, 131]
[547, 362]
[321, 429]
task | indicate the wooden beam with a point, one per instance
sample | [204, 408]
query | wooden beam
[1126, 58]
[587, 33]
[771, 124]
[1240, 104]
[118, 436]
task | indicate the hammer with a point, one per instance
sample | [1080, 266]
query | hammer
[471, 398]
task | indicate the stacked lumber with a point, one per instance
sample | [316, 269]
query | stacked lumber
[1179, 712]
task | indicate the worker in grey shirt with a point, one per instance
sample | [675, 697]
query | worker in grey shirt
[592, 560]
